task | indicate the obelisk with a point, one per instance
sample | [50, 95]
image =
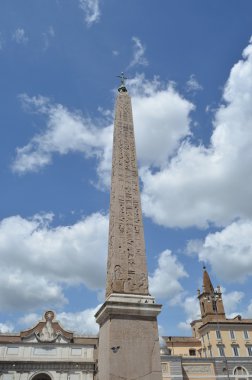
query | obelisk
[128, 337]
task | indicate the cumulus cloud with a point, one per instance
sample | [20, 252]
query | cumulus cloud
[29, 320]
[6, 327]
[248, 312]
[91, 9]
[164, 282]
[232, 302]
[229, 251]
[192, 312]
[65, 132]
[203, 185]
[161, 118]
[37, 260]
[138, 53]
[192, 85]
[20, 37]
[80, 322]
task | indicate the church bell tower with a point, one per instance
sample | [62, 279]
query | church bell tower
[128, 337]
[211, 303]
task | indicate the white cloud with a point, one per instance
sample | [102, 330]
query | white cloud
[164, 282]
[229, 251]
[20, 37]
[161, 118]
[65, 132]
[248, 313]
[80, 322]
[29, 320]
[91, 9]
[23, 290]
[204, 185]
[192, 85]
[37, 260]
[47, 36]
[138, 53]
[6, 327]
[232, 302]
[192, 312]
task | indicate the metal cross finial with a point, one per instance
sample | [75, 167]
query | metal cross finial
[122, 77]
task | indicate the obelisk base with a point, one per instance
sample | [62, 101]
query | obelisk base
[128, 338]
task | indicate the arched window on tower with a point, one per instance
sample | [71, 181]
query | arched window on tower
[214, 303]
[203, 307]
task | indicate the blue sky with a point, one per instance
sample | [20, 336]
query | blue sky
[189, 64]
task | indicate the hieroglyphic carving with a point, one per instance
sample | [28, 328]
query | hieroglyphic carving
[126, 270]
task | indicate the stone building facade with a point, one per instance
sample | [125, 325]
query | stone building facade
[219, 348]
[47, 352]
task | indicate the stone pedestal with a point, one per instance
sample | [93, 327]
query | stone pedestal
[128, 338]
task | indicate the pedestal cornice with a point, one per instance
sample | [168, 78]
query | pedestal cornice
[128, 305]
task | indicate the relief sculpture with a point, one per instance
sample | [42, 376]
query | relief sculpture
[118, 279]
[143, 283]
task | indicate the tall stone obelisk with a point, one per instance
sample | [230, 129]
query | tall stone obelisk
[128, 338]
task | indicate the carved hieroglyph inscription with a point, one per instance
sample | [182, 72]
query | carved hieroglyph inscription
[126, 270]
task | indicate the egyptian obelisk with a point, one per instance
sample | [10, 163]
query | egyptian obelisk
[128, 337]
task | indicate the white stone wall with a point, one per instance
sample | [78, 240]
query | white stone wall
[46, 352]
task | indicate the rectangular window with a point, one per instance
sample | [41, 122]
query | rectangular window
[246, 334]
[76, 351]
[218, 334]
[232, 334]
[235, 350]
[12, 350]
[221, 351]
[74, 376]
[249, 350]
[7, 376]
[44, 351]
